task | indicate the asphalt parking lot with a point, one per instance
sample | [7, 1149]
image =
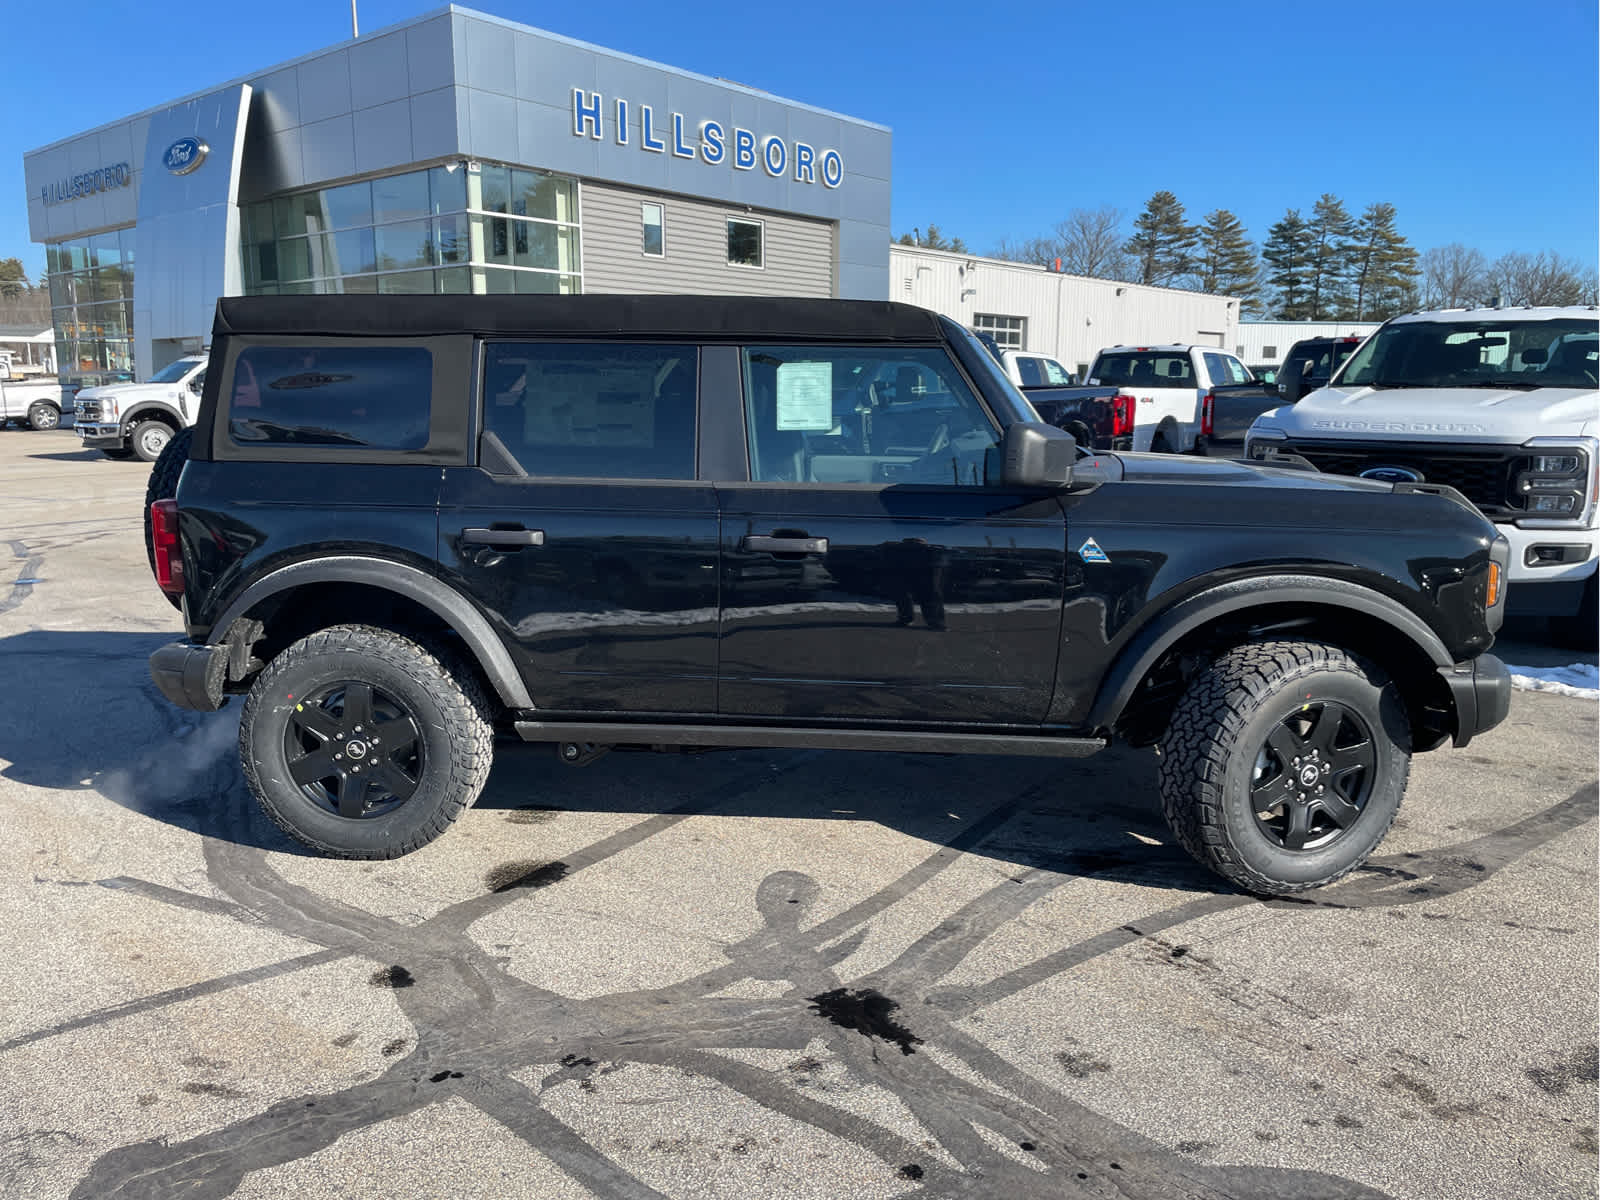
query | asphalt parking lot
[752, 974]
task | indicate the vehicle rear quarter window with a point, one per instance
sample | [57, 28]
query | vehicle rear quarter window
[1032, 372]
[1153, 369]
[367, 397]
[611, 411]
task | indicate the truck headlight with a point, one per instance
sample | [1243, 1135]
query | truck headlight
[1259, 443]
[1556, 481]
[108, 409]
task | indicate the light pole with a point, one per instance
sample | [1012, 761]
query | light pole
[354, 32]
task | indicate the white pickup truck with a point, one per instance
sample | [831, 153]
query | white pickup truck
[1187, 398]
[1026, 369]
[1500, 404]
[137, 420]
[37, 405]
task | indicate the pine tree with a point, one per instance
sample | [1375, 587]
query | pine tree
[1163, 242]
[1383, 267]
[1288, 255]
[1330, 257]
[1225, 262]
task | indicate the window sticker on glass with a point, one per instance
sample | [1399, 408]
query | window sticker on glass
[805, 395]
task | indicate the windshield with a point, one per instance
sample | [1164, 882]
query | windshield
[1478, 354]
[173, 372]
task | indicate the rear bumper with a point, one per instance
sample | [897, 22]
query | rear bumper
[191, 676]
[1482, 691]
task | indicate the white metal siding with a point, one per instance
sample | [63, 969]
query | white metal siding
[1256, 336]
[1069, 317]
[798, 253]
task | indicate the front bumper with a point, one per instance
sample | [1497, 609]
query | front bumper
[97, 434]
[1482, 691]
[191, 676]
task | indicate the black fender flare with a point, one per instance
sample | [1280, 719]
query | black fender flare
[414, 584]
[139, 411]
[1165, 629]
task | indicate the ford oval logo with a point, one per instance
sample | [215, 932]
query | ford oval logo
[185, 155]
[1393, 474]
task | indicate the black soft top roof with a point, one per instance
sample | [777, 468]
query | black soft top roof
[703, 318]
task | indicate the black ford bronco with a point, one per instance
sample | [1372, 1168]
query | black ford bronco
[408, 523]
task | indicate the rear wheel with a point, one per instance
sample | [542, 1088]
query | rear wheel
[147, 439]
[1161, 444]
[43, 416]
[163, 485]
[1285, 764]
[361, 743]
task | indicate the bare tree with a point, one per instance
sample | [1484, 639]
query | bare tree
[1542, 278]
[1454, 276]
[1090, 243]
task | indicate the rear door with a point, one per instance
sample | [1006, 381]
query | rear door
[583, 532]
[872, 566]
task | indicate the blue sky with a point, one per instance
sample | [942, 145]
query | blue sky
[1476, 120]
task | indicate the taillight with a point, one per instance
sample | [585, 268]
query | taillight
[1208, 410]
[1122, 409]
[164, 543]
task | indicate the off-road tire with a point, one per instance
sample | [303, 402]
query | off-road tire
[137, 439]
[443, 698]
[1210, 753]
[163, 485]
[42, 416]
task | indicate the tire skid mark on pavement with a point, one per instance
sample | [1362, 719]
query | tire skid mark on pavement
[22, 586]
[476, 1024]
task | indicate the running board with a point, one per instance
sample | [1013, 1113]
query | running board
[767, 737]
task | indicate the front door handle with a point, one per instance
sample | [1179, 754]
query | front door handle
[786, 545]
[508, 539]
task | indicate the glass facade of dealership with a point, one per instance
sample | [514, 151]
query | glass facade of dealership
[91, 306]
[455, 228]
[460, 227]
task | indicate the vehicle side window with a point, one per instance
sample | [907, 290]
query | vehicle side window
[1055, 374]
[1030, 371]
[593, 411]
[370, 397]
[842, 414]
[1236, 371]
[1216, 368]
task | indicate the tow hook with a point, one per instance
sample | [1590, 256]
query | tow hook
[580, 754]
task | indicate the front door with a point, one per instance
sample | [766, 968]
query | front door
[871, 569]
[583, 532]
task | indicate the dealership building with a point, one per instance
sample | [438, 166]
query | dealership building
[455, 153]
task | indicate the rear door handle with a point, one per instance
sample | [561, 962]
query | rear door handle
[505, 538]
[786, 545]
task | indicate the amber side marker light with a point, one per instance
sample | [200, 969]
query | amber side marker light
[1494, 585]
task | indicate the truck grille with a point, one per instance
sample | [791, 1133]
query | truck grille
[1485, 475]
[88, 410]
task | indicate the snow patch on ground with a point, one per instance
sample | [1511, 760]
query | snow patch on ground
[1578, 679]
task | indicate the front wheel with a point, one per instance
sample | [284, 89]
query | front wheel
[1284, 765]
[361, 743]
[148, 439]
[43, 416]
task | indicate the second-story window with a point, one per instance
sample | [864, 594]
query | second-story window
[655, 242]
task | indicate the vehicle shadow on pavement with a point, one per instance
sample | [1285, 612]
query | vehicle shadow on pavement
[86, 717]
[82, 456]
[1096, 816]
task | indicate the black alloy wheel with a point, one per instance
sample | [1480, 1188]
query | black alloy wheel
[1285, 763]
[354, 750]
[1313, 776]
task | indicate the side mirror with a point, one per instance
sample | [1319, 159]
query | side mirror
[1037, 455]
